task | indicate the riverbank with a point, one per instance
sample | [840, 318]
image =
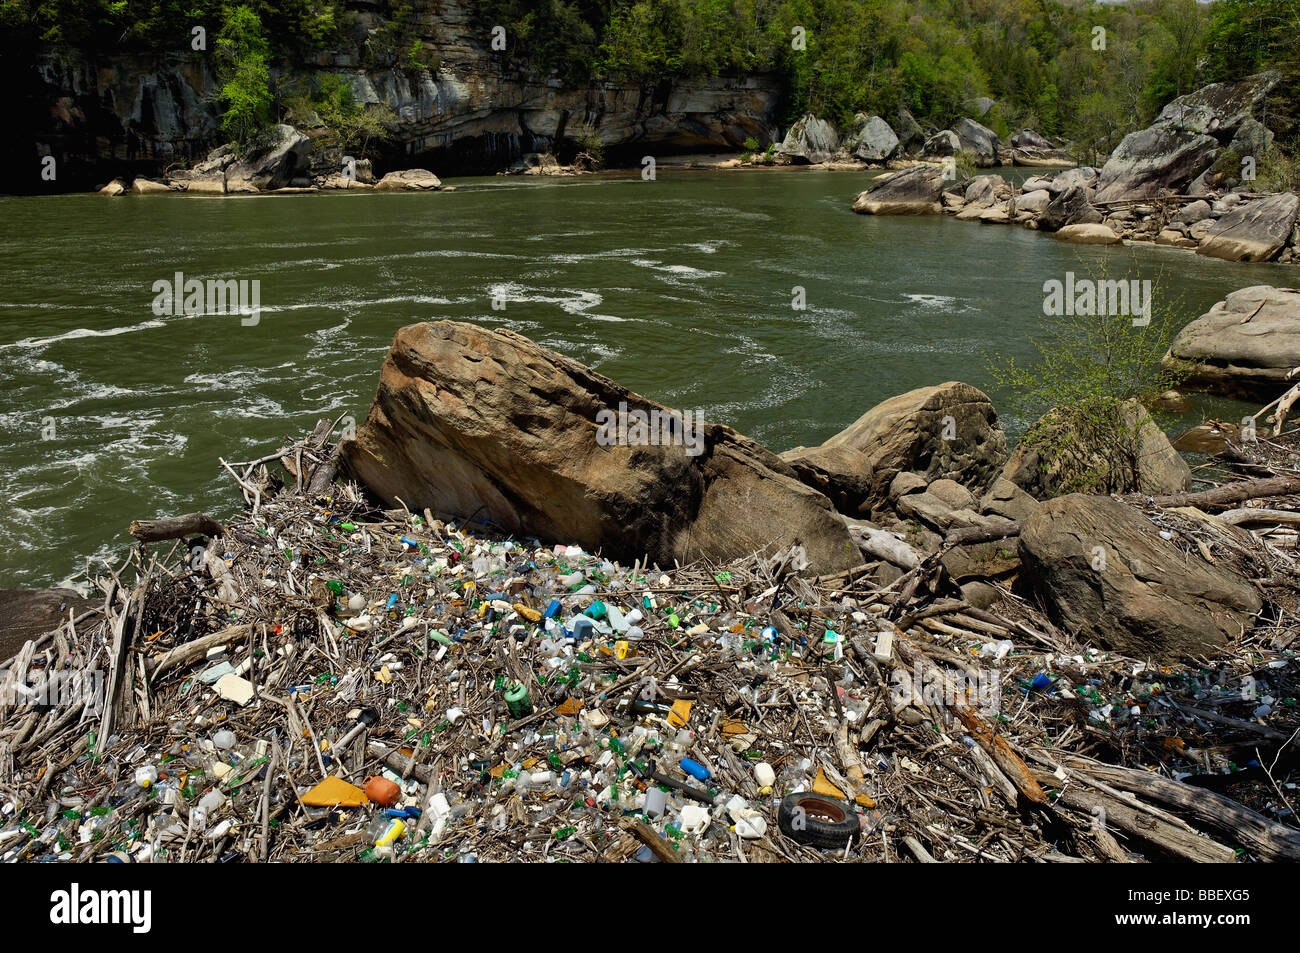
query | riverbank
[949, 690]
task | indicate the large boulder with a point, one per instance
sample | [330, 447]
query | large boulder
[29, 613]
[1066, 454]
[909, 132]
[1088, 234]
[1070, 207]
[273, 159]
[1103, 572]
[409, 180]
[1029, 139]
[914, 191]
[482, 425]
[1253, 231]
[1183, 142]
[1245, 345]
[1153, 159]
[1219, 109]
[872, 139]
[980, 141]
[987, 189]
[944, 143]
[810, 140]
[948, 431]
[1084, 175]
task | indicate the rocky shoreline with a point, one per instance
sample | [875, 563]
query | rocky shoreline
[1183, 182]
[460, 562]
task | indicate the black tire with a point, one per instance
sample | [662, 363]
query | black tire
[817, 821]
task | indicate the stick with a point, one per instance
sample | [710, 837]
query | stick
[175, 527]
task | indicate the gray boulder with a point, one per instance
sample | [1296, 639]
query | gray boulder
[272, 160]
[909, 132]
[409, 180]
[1070, 207]
[810, 140]
[1029, 139]
[872, 139]
[1245, 345]
[914, 191]
[941, 144]
[979, 140]
[1102, 571]
[1152, 159]
[1253, 231]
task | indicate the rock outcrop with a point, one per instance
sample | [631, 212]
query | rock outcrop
[486, 426]
[810, 140]
[1102, 570]
[1184, 140]
[1245, 345]
[1064, 456]
[947, 431]
[914, 191]
[1253, 231]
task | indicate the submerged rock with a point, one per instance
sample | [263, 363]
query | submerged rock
[482, 425]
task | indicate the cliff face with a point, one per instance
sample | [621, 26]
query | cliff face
[473, 112]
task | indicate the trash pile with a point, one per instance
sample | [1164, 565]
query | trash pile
[327, 681]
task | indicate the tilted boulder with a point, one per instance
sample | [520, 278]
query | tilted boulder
[914, 191]
[482, 425]
[944, 143]
[1183, 142]
[1103, 572]
[1253, 231]
[272, 160]
[872, 139]
[1245, 345]
[980, 141]
[948, 430]
[1071, 207]
[810, 140]
[1060, 455]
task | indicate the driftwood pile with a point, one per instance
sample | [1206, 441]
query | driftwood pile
[317, 636]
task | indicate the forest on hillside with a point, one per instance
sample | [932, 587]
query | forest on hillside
[1071, 69]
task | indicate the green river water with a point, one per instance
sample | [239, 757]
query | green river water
[680, 288]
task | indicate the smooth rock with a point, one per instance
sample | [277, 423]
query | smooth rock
[1103, 572]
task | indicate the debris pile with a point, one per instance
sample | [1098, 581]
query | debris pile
[325, 680]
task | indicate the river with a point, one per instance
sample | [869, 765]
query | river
[681, 288]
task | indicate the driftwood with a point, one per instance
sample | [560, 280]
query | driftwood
[966, 535]
[1226, 495]
[175, 527]
[1267, 839]
[1110, 811]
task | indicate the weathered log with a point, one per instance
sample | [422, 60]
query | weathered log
[1232, 819]
[966, 535]
[1174, 840]
[196, 649]
[1224, 496]
[175, 527]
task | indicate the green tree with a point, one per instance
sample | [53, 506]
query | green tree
[242, 54]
